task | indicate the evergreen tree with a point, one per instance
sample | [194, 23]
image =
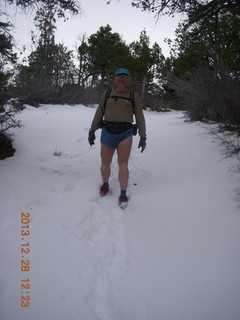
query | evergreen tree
[60, 6]
[7, 113]
[50, 65]
[107, 52]
[147, 63]
[207, 64]
[196, 10]
[214, 45]
[141, 54]
[7, 56]
[82, 57]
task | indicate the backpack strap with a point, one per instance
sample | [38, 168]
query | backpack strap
[132, 99]
[107, 96]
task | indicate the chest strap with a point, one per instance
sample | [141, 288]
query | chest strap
[119, 97]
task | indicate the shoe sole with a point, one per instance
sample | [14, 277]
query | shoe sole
[103, 193]
[122, 205]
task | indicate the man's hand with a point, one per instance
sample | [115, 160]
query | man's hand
[142, 143]
[91, 137]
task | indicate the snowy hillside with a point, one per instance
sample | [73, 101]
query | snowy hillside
[173, 254]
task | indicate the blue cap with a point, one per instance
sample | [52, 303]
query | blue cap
[122, 71]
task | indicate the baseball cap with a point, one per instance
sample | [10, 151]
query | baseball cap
[122, 71]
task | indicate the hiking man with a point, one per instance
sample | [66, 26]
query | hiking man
[114, 115]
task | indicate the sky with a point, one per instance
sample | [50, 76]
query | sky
[120, 15]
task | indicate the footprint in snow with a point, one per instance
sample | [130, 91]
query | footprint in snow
[109, 257]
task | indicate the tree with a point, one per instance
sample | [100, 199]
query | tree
[196, 10]
[7, 120]
[35, 85]
[50, 65]
[82, 56]
[189, 50]
[41, 7]
[147, 64]
[61, 6]
[141, 54]
[215, 44]
[158, 67]
[7, 56]
[106, 51]
[207, 70]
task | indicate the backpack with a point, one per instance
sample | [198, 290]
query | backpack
[108, 92]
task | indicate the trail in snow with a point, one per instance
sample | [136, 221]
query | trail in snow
[172, 254]
[102, 229]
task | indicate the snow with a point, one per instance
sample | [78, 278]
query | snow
[172, 254]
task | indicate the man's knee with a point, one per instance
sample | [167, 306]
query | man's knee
[123, 165]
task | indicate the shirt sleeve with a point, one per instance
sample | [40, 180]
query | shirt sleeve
[139, 116]
[99, 114]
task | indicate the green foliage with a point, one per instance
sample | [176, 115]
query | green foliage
[142, 55]
[42, 79]
[106, 52]
[7, 56]
[6, 44]
[147, 67]
[49, 65]
[60, 7]
[82, 56]
[197, 11]
[227, 41]
[217, 43]
[202, 50]
[208, 42]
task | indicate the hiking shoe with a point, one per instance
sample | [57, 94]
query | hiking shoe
[104, 189]
[123, 201]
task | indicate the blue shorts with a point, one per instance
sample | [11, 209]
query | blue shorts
[113, 139]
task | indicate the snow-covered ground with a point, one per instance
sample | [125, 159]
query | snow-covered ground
[173, 254]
